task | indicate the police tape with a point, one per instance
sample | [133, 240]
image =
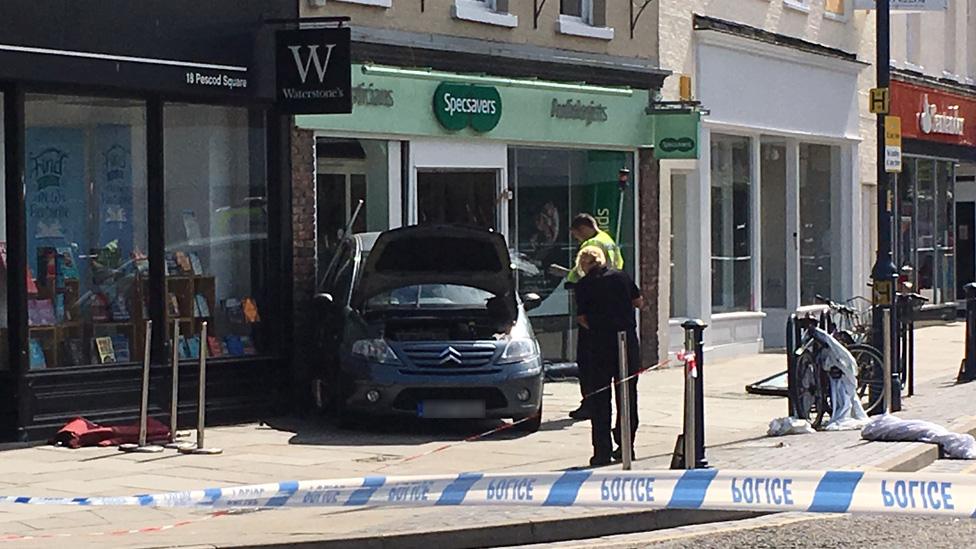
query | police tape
[702, 489]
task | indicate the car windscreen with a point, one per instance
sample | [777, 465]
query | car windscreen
[431, 296]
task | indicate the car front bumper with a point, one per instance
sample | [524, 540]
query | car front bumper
[405, 391]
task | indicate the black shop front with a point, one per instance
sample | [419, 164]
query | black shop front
[141, 167]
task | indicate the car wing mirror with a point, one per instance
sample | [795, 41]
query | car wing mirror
[531, 301]
[324, 300]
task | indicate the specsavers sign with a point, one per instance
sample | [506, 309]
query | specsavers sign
[458, 106]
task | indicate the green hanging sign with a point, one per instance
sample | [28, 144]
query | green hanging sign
[676, 136]
[458, 106]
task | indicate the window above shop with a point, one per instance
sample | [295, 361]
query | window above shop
[377, 3]
[587, 18]
[836, 9]
[801, 5]
[489, 12]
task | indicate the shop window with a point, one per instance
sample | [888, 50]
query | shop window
[819, 169]
[4, 338]
[679, 246]
[926, 236]
[347, 171]
[85, 200]
[731, 234]
[551, 186]
[216, 229]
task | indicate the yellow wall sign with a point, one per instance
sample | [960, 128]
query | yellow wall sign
[880, 100]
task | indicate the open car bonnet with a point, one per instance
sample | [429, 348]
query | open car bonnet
[439, 254]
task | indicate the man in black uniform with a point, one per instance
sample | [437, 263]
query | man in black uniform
[605, 303]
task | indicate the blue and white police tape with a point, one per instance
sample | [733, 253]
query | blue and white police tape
[703, 489]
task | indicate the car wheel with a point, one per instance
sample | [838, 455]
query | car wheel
[532, 423]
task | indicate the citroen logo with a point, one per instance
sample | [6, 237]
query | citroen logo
[450, 355]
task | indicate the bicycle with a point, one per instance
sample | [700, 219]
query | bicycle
[812, 380]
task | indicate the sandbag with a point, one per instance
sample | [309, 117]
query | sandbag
[893, 429]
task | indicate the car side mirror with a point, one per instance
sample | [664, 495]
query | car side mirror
[531, 301]
[324, 301]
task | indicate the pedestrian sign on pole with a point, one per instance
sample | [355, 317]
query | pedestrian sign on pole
[892, 144]
[880, 100]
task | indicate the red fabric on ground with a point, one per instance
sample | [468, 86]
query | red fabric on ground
[79, 432]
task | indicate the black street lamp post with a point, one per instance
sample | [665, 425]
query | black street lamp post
[885, 274]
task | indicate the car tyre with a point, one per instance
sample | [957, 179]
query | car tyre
[532, 424]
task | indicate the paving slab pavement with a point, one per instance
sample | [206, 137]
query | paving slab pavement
[300, 449]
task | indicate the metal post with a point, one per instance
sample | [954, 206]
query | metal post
[626, 442]
[200, 448]
[174, 411]
[968, 370]
[884, 273]
[141, 446]
[689, 419]
[694, 336]
[791, 344]
[887, 361]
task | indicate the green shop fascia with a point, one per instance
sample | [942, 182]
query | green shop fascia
[403, 103]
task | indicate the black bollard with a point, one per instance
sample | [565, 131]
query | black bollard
[968, 370]
[694, 332]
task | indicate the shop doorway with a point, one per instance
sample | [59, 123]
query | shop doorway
[464, 197]
[777, 233]
[965, 261]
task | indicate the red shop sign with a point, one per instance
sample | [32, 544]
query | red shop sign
[934, 115]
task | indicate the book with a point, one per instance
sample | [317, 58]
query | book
[196, 263]
[251, 310]
[120, 344]
[74, 351]
[100, 308]
[141, 262]
[248, 345]
[201, 309]
[120, 309]
[235, 311]
[193, 346]
[171, 266]
[184, 348]
[46, 265]
[31, 285]
[106, 353]
[174, 306]
[44, 312]
[213, 346]
[190, 225]
[235, 347]
[183, 263]
[223, 348]
[32, 319]
[65, 266]
[37, 359]
[60, 314]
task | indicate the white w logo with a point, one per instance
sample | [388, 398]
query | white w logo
[313, 57]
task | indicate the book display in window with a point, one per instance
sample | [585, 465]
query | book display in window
[105, 350]
[38, 360]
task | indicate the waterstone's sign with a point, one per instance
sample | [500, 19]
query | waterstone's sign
[314, 74]
[458, 106]
[933, 114]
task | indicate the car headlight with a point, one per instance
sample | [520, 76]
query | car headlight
[374, 350]
[519, 350]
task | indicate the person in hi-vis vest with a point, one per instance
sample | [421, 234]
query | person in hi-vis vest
[586, 231]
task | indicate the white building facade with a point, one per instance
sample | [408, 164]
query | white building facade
[777, 209]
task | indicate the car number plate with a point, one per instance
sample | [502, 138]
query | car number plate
[444, 409]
